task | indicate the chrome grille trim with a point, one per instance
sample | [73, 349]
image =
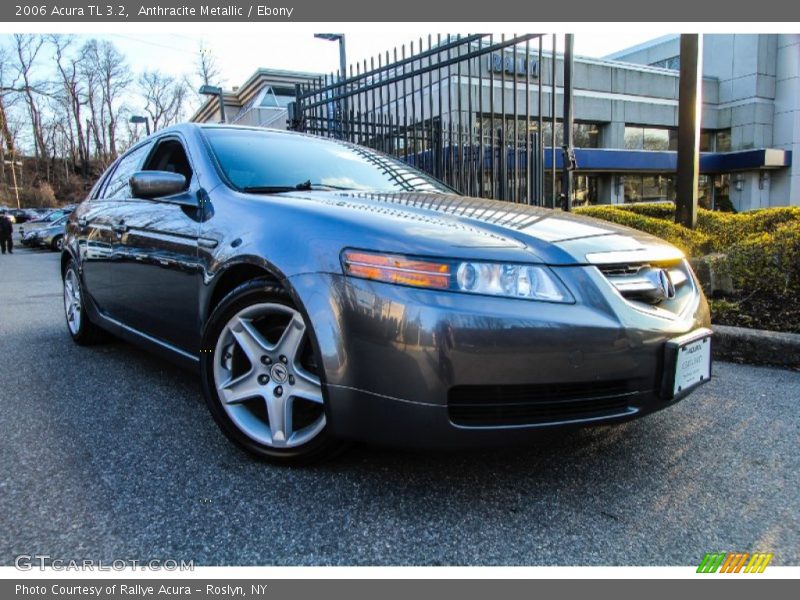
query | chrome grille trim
[629, 281]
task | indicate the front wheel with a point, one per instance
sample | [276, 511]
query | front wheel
[261, 377]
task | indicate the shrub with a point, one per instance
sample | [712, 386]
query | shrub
[657, 210]
[765, 271]
[726, 229]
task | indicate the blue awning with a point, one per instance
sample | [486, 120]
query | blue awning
[610, 160]
[604, 159]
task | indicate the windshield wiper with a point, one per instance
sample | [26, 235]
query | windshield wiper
[279, 189]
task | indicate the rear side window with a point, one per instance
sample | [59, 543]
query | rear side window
[117, 187]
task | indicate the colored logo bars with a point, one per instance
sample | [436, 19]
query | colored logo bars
[734, 562]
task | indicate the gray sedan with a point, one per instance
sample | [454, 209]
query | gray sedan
[325, 292]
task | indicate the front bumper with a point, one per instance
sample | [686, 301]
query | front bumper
[419, 367]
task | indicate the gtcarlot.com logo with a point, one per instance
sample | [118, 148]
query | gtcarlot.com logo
[28, 562]
[734, 562]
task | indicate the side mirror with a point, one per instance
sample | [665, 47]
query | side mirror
[155, 184]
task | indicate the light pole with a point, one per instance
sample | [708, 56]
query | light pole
[14, 163]
[690, 102]
[213, 90]
[136, 119]
[339, 37]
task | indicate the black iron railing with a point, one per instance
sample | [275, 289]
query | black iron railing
[458, 107]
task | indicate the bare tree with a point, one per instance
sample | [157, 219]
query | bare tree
[87, 62]
[7, 99]
[207, 69]
[164, 97]
[73, 95]
[114, 79]
[27, 47]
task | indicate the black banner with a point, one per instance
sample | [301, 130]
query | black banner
[161, 589]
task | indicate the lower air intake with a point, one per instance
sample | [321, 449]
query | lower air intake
[509, 405]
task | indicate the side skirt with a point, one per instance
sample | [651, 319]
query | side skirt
[147, 342]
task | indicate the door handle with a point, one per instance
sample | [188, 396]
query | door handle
[120, 228]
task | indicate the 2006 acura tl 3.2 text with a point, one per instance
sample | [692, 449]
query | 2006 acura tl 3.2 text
[327, 292]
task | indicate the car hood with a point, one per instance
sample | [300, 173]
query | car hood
[462, 222]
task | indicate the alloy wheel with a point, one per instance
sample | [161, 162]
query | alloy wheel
[266, 376]
[72, 301]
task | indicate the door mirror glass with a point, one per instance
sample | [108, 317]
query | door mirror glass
[156, 184]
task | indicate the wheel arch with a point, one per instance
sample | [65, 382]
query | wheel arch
[233, 274]
[66, 256]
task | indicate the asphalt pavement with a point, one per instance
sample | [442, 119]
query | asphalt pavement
[109, 453]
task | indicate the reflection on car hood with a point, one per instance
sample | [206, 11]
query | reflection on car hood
[577, 238]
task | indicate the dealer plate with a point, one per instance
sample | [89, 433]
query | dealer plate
[692, 365]
[687, 363]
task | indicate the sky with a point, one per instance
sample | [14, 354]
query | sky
[240, 54]
[240, 49]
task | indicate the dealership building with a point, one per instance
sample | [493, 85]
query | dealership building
[626, 117]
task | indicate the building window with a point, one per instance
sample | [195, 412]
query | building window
[649, 188]
[584, 135]
[706, 141]
[722, 140]
[650, 138]
[673, 62]
[584, 186]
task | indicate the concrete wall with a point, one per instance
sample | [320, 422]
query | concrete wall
[786, 129]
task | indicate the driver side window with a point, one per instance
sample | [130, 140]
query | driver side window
[170, 156]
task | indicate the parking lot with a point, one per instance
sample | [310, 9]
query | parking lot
[109, 453]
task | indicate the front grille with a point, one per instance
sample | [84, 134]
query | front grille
[631, 282]
[508, 405]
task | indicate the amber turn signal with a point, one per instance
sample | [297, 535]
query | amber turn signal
[392, 268]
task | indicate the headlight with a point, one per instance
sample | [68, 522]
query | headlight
[530, 282]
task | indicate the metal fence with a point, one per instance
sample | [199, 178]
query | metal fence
[467, 109]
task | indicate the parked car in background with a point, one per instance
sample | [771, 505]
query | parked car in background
[8, 214]
[23, 215]
[44, 221]
[50, 237]
[326, 292]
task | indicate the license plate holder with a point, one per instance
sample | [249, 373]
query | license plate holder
[687, 363]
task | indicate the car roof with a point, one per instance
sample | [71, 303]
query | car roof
[197, 127]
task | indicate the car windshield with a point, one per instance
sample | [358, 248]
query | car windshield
[267, 162]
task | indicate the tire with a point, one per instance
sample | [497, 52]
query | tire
[260, 374]
[56, 244]
[81, 329]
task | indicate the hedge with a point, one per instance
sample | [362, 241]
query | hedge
[765, 271]
[759, 250]
[723, 228]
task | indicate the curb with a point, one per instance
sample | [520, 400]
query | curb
[756, 346]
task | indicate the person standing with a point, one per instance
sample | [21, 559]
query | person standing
[6, 232]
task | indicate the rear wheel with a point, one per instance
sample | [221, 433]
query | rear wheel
[57, 243]
[261, 376]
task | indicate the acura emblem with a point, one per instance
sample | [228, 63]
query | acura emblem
[279, 373]
[664, 288]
